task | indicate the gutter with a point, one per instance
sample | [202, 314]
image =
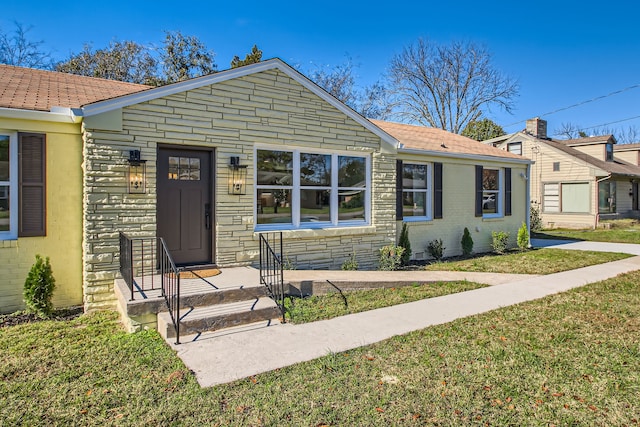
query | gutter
[523, 161]
[56, 115]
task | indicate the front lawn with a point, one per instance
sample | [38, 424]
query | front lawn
[538, 261]
[303, 310]
[618, 231]
[568, 359]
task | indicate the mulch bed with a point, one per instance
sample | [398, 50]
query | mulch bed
[22, 317]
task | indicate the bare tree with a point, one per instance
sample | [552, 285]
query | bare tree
[447, 86]
[567, 131]
[627, 135]
[16, 49]
[340, 81]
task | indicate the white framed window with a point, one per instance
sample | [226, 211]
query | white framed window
[492, 192]
[308, 189]
[566, 197]
[416, 191]
[8, 185]
[515, 148]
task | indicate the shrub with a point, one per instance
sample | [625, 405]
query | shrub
[404, 242]
[350, 263]
[38, 288]
[534, 218]
[500, 241]
[523, 237]
[390, 257]
[467, 242]
[436, 249]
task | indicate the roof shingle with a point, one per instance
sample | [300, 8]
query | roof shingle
[40, 90]
[432, 139]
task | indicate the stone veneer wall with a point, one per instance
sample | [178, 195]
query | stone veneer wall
[266, 109]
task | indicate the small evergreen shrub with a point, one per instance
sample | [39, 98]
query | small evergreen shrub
[500, 241]
[436, 249]
[390, 257]
[350, 263]
[466, 242]
[523, 237]
[38, 288]
[404, 242]
[535, 221]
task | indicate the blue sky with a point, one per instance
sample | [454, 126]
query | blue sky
[561, 52]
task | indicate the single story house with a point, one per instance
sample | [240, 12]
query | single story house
[211, 163]
[576, 183]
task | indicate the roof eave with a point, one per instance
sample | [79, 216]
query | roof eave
[56, 115]
[480, 157]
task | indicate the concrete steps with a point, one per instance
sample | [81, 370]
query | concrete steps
[208, 318]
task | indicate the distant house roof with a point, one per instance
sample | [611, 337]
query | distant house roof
[626, 147]
[440, 141]
[40, 90]
[588, 140]
[616, 167]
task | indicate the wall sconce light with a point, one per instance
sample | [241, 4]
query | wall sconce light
[137, 176]
[237, 176]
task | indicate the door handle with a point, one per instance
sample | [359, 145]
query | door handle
[207, 216]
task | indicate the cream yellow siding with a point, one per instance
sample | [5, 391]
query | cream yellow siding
[458, 178]
[630, 156]
[594, 150]
[63, 240]
[265, 109]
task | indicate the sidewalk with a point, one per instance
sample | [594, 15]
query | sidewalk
[233, 356]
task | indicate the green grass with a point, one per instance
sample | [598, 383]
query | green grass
[568, 359]
[302, 310]
[538, 261]
[621, 231]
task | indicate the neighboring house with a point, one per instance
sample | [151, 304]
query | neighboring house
[577, 182]
[164, 162]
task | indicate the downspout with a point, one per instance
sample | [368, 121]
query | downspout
[598, 181]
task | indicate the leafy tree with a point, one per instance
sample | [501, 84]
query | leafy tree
[251, 58]
[481, 130]
[16, 49]
[184, 57]
[125, 61]
[447, 86]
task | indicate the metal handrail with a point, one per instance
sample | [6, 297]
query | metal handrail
[170, 279]
[138, 262]
[271, 268]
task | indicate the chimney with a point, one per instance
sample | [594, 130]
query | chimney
[537, 127]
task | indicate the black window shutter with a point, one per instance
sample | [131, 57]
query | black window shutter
[31, 185]
[478, 190]
[437, 190]
[507, 191]
[399, 214]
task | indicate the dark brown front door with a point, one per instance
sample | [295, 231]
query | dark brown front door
[184, 204]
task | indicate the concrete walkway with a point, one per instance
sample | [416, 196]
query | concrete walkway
[233, 356]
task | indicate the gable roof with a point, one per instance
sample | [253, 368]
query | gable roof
[40, 90]
[627, 147]
[440, 142]
[270, 64]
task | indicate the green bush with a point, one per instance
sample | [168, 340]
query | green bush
[467, 242]
[500, 241]
[404, 242]
[390, 257]
[534, 218]
[523, 237]
[38, 288]
[436, 249]
[350, 263]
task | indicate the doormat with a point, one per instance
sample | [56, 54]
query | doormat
[199, 274]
